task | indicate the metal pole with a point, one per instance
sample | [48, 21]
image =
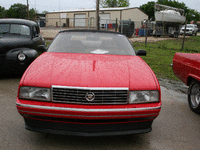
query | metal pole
[116, 25]
[106, 25]
[88, 23]
[184, 36]
[121, 27]
[146, 34]
[97, 14]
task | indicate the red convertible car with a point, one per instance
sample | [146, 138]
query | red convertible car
[89, 83]
[187, 68]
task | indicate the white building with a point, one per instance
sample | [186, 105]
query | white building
[86, 17]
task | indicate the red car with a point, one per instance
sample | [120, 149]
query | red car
[89, 83]
[187, 68]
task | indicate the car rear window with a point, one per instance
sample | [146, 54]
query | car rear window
[91, 43]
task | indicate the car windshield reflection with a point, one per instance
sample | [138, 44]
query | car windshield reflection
[91, 43]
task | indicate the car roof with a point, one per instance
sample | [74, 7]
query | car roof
[89, 30]
[18, 21]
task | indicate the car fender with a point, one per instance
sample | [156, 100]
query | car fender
[31, 54]
[43, 42]
[190, 77]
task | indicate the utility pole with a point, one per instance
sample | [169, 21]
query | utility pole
[97, 14]
[27, 10]
[59, 15]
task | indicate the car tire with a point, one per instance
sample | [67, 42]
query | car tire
[196, 34]
[194, 96]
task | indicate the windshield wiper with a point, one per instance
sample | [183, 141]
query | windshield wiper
[16, 33]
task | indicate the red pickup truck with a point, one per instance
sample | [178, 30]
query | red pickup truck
[187, 68]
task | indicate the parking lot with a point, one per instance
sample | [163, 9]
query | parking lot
[175, 128]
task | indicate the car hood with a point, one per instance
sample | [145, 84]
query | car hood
[9, 41]
[90, 70]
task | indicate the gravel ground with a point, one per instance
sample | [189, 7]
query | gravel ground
[177, 86]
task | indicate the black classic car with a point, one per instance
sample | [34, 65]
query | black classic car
[20, 42]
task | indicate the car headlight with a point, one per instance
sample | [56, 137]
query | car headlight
[35, 93]
[143, 96]
[21, 56]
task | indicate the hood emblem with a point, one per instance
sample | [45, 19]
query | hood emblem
[89, 96]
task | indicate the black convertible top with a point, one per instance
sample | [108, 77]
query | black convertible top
[18, 21]
[89, 30]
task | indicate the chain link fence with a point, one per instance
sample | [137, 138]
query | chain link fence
[123, 26]
[141, 31]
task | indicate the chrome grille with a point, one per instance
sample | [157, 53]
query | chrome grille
[78, 95]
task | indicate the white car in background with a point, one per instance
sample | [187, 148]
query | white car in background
[190, 29]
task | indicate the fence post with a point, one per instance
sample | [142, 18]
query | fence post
[184, 36]
[106, 25]
[60, 20]
[116, 25]
[88, 23]
[121, 27]
[146, 34]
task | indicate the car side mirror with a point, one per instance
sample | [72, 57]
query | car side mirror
[42, 48]
[141, 52]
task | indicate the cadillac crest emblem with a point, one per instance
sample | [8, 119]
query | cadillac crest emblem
[89, 96]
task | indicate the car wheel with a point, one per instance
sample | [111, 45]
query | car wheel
[196, 34]
[194, 96]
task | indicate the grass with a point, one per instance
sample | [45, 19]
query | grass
[48, 42]
[160, 54]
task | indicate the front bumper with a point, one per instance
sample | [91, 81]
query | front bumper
[106, 129]
[87, 121]
[187, 32]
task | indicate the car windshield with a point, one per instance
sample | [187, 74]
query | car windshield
[91, 43]
[189, 26]
[4, 28]
[14, 29]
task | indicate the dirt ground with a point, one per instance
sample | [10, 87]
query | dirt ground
[50, 33]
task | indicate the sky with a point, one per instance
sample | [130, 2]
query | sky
[56, 5]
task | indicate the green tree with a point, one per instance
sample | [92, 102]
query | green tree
[2, 12]
[149, 9]
[193, 15]
[17, 11]
[114, 3]
[32, 14]
[44, 12]
[20, 11]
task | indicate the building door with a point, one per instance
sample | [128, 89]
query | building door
[80, 20]
[104, 19]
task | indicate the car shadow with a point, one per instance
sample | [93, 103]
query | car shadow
[10, 76]
[103, 142]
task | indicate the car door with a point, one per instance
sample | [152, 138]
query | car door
[37, 39]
